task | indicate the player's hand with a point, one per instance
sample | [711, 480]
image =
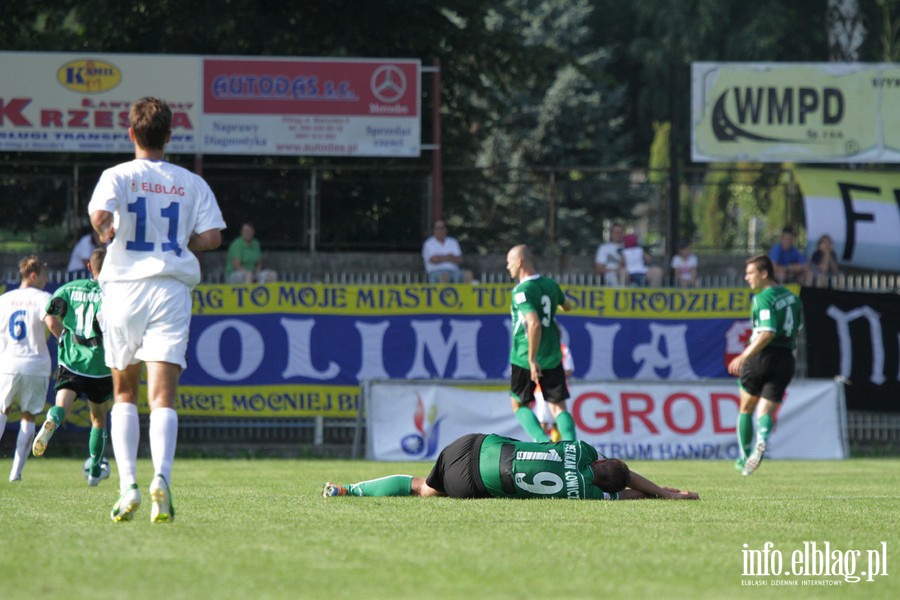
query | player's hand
[734, 367]
[536, 372]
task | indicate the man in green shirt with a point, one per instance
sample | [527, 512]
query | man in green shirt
[535, 356]
[244, 263]
[766, 366]
[491, 466]
[82, 366]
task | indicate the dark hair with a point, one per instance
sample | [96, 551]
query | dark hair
[762, 263]
[151, 120]
[96, 260]
[787, 229]
[610, 474]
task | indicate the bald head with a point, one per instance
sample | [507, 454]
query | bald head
[520, 262]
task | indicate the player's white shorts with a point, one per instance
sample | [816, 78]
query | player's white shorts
[31, 391]
[145, 320]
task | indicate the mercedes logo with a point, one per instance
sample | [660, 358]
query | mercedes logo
[388, 83]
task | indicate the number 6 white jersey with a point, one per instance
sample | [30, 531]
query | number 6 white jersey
[156, 207]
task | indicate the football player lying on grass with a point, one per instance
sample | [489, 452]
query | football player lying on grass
[492, 466]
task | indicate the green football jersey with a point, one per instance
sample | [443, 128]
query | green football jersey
[777, 309]
[77, 304]
[541, 295]
[514, 469]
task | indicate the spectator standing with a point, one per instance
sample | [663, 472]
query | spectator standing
[442, 256]
[824, 262]
[607, 259]
[24, 357]
[684, 265]
[790, 263]
[245, 259]
[81, 253]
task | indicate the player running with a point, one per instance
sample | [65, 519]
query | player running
[766, 366]
[82, 370]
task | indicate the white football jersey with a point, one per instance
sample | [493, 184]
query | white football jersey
[156, 207]
[23, 338]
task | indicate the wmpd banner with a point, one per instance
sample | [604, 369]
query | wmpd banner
[795, 112]
[629, 420]
[856, 336]
[283, 350]
[859, 210]
[293, 106]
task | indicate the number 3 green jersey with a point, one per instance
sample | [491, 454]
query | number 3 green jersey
[77, 304]
[777, 309]
[515, 469]
[539, 295]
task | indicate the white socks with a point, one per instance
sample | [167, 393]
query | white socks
[23, 449]
[163, 437]
[125, 433]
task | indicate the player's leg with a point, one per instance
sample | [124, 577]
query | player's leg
[125, 430]
[162, 387]
[392, 485]
[6, 399]
[521, 395]
[32, 397]
[747, 407]
[55, 416]
[556, 392]
[97, 441]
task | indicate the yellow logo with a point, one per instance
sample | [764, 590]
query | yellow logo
[89, 76]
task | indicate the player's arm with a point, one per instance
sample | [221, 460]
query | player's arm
[102, 222]
[54, 325]
[208, 240]
[640, 488]
[762, 340]
[533, 331]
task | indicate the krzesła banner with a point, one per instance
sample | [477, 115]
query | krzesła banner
[795, 112]
[291, 106]
[628, 420]
[859, 210]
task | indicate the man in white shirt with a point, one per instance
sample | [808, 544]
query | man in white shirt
[443, 256]
[154, 215]
[24, 357]
[607, 259]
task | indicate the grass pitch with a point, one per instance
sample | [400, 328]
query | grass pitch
[260, 529]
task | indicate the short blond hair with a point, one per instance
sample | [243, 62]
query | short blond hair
[31, 265]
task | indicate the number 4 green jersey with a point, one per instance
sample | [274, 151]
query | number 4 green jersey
[77, 304]
[777, 309]
[540, 295]
[515, 469]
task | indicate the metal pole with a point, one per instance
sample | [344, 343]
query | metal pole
[437, 189]
[674, 211]
[312, 211]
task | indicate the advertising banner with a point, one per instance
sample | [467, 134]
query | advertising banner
[855, 336]
[74, 102]
[629, 420]
[859, 210]
[795, 112]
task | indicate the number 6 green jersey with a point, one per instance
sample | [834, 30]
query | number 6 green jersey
[77, 304]
[539, 295]
[777, 309]
[515, 469]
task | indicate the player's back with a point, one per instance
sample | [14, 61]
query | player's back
[156, 206]
[23, 338]
[77, 304]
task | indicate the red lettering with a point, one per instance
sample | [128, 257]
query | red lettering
[718, 426]
[698, 413]
[51, 118]
[628, 413]
[123, 120]
[181, 119]
[103, 118]
[12, 110]
[78, 118]
[580, 406]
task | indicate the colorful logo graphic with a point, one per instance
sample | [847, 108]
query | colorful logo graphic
[424, 443]
[89, 76]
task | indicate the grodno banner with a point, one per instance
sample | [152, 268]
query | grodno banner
[622, 419]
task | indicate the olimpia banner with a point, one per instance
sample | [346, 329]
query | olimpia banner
[795, 112]
[291, 106]
[859, 210]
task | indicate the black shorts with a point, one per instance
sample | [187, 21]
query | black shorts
[553, 384]
[97, 389]
[768, 373]
[457, 471]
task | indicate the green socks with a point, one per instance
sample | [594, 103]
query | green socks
[529, 422]
[764, 426]
[566, 425]
[392, 485]
[745, 434]
[97, 448]
[57, 414]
